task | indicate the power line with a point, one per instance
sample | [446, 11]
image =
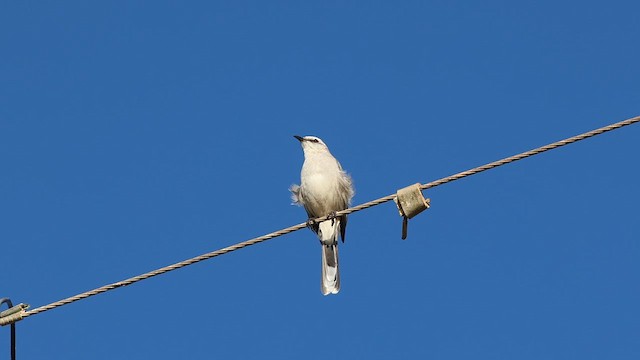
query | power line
[297, 227]
[529, 153]
[165, 269]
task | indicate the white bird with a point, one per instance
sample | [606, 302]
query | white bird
[324, 189]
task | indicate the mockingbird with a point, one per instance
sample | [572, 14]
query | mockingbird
[324, 189]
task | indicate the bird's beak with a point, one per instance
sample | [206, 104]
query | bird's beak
[300, 138]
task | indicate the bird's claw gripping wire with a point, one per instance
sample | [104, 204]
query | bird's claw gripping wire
[332, 216]
[310, 222]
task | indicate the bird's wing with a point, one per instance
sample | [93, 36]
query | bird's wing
[343, 226]
[298, 199]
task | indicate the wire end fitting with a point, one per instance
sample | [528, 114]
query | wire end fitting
[13, 314]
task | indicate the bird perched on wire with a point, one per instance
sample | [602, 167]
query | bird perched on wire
[324, 189]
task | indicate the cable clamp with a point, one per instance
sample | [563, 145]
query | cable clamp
[13, 314]
[410, 203]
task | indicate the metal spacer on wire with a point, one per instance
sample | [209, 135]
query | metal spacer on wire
[13, 314]
[410, 203]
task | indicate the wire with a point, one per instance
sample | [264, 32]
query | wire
[529, 153]
[13, 328]
[291, 229]
[165, 269]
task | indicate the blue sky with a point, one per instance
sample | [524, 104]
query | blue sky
[137, 134]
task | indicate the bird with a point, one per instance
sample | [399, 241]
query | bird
[324, 189]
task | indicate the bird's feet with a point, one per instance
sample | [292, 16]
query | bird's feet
[332, 216]
[310, 222]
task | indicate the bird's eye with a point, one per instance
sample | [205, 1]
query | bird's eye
[314, 140]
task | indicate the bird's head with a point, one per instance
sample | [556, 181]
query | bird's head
[312, 144]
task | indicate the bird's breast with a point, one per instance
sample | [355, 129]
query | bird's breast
[321, 192]
[320, 183]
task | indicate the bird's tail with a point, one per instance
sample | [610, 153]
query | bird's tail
[330, 280]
